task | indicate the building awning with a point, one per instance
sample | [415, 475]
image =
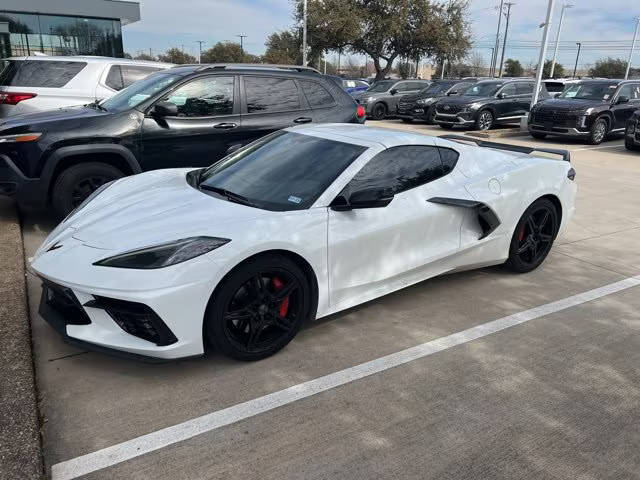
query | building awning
[125, 11]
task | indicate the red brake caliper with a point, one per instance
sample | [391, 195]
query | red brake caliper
[284, 306]
[521, 236]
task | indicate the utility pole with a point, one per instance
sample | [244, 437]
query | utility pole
[444, 61]
[200, 42]
[506, 31]
[555, 50]
[304, 33]
[325, 62]
[150, 52]
[543, 52]
[493, 52]
[242, 37]
[633, 46]
[494, 59]
[575, 68]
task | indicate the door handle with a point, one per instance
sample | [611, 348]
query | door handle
[303, 120]
[225, 125]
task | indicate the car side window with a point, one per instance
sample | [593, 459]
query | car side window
[114, 78]
[204, 97]
[509, 90]
[460, 87]
[449, 159]
[398, 169]
[271, 94]
[316, 94]
[524, 88]
[630, 91]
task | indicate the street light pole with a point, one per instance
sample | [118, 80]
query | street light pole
[633, 46]
[304, 34]
[543, 53]
[242, 37]
[506, 31]
[199, 42]
[494, 59]
[555, 50]
[575, 68]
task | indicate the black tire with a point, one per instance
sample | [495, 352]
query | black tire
[485, 120]
[598, 131]
[379, 111]
[446, 126]
[539, 136]
[630, 145]
[430, 116]
[533, 237]
[245, 318]
[76, 183]
[407, 120]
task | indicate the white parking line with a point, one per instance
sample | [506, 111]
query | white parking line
[135, 447]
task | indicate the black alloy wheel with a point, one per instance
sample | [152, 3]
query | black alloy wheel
[485, 120]
[598, 131]
[379, 111]
[533, 237]
[259, 308]
[430, 117]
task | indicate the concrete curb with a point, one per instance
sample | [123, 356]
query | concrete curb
[506, 133]
[20, 446]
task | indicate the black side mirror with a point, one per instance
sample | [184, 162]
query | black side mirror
[452, 92]
[557, 95]
[368, 198]
[502, 95]
[393, 91]
[165, 109]
[623, 99]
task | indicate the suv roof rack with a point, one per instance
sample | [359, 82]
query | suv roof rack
[566, 156]
[265, 66]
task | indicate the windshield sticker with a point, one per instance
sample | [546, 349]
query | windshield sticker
[606, 97]
[293, 199]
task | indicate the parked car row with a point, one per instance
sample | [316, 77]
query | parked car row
[187, 116]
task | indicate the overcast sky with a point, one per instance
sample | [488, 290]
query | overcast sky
[168, 23]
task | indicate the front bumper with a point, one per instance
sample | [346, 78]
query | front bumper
[562, 131]
[453, 119]
[13, 183]
[413, 112]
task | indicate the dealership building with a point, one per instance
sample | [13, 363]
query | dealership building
[64, 27]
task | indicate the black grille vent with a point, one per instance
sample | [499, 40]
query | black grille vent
[64, 302]
[452, 109]
[557, 119]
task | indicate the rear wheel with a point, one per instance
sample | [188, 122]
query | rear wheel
[258, 309]
[533, 236]
[76, 183]
[379, 111]
[484, 120]
[598, 131]
[539, 136]
[630, 144]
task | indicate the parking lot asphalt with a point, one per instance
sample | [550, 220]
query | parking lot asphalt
[555, 397]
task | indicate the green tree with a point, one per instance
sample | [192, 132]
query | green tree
[609, 68]
[558, 71]
[283, 48]
[513, 68]
[227, 52]
[145, 56]
[177, 56]
[385, 30]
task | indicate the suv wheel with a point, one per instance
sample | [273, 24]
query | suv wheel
[76, 183]
[379, 111]
[630, 145]
[598, 131]
[430, 117]
[484, 120]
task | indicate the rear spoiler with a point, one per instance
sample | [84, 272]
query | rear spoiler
[566, 156]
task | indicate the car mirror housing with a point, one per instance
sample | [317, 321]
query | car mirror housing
[502, 95]
[165, 109]
[623, 99]
[453, 92]
[393, 91]
[557, 95]
[368, 198]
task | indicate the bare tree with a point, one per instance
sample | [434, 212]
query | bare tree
[477, 64]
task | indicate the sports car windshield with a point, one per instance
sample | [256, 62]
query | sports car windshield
[380, 87]
[590, 91]
[137, 92]
[483, 89]
[283, 171]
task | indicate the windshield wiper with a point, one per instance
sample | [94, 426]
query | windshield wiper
[232, 197]
[96, 104]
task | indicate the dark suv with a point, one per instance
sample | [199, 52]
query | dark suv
[488, 103]
[185, 116]
[590, 109]
[422, 105]
[632, 132]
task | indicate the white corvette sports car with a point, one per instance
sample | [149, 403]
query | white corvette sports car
[300, 224]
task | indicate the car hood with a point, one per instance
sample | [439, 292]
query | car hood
[48, 116]
[152, 208]
[570, 104]
[463, 100]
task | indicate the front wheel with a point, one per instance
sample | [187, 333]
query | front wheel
[598, 131]
[630, 144]
[533, 236]
[484, 120]
[379, 111]
[258, 308]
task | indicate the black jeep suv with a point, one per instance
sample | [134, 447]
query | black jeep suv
[488, 103]
[422, 105]
[186, 116]
[590, 109]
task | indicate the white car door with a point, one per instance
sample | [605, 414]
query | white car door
[372, 251]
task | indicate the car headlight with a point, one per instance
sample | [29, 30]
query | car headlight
[367, 99]
[87, 200]
[20, 138]
[425, 101]
[165, 254]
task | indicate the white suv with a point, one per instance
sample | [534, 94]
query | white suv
[32, 84]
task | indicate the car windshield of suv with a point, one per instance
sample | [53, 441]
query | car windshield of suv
[590, 91]
[380, 87]
[138, 92]
[483, 89]
[437, 88]
[282, 171]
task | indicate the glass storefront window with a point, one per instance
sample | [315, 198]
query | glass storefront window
[60, 35]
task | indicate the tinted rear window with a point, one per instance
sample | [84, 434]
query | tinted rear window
[316, 94]
[270, 94]
[39, 73]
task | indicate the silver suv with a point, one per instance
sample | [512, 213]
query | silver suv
[381, 98]
[32, 84]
